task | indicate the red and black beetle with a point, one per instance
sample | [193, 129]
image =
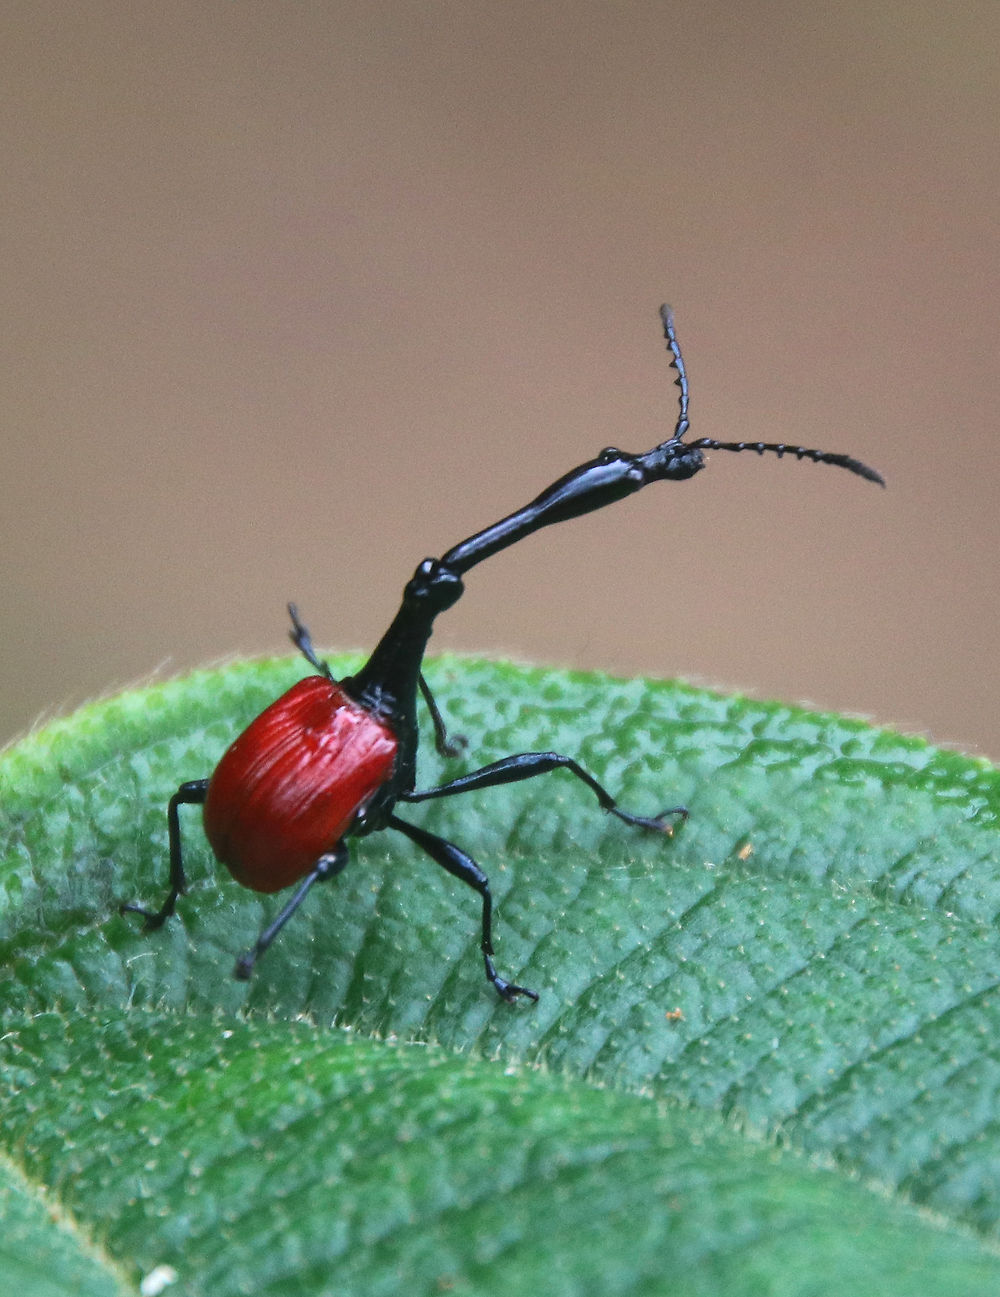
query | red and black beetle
[330, 759]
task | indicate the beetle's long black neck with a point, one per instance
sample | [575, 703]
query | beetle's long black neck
[612, 476]
[387, 683]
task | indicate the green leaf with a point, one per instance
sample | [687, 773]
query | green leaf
[764, 1060]
[42, 1252]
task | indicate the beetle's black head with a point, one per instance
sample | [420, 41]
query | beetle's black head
[673, 461]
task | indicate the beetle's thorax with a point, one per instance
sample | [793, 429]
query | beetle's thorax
[387, 684]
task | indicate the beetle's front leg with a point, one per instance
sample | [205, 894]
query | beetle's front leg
[462, 866]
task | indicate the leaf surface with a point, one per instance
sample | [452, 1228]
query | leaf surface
[764, 1059]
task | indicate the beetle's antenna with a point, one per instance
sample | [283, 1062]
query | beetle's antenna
[800, 452]
[677, 362]
[775, 448]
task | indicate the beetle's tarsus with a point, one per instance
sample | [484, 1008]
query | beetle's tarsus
[152, 919]
[508, 991]
[658, 823]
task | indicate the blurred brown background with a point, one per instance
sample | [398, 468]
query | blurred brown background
[297, 294]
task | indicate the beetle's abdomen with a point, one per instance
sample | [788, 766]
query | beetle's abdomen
[292, 784]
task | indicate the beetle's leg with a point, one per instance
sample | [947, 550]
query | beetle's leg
[328, 866]
[191, 793]
[446, 747]
[526, 765]
[300, 637]
[462, 866]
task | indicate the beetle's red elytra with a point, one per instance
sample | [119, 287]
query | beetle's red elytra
[294, 782]
[331, 759]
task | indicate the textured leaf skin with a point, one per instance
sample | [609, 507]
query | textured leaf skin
[44, 1253]
[818, 1117]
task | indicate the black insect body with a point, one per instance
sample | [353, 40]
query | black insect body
[331, 760]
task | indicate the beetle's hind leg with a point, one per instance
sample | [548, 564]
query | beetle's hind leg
[192, 793]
